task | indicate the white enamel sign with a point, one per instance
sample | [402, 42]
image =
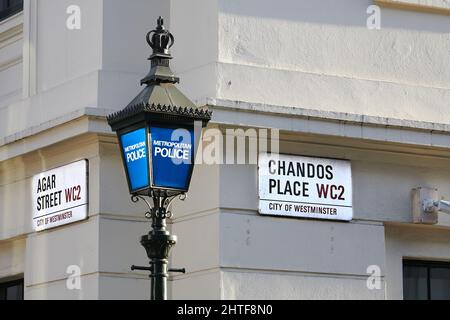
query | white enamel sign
[305, 187]
[60, 196]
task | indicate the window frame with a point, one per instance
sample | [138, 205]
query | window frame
[428, 264]
[11, 283]
[10, 10]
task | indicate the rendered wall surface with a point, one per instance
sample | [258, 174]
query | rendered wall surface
[311, 69]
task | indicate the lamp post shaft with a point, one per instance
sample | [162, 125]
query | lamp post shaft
[158, 243]
[159, 264]
[159, 280]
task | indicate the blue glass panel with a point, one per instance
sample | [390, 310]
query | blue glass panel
[134, 151]
[172, 153]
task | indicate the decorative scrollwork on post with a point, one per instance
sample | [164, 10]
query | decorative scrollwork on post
[168, 203]
[136, 198]
[161, 204]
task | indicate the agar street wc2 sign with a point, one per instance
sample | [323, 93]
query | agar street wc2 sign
[305, 187]
[60, 196]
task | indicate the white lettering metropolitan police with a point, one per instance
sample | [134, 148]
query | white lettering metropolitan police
[172, 150]
[135, 152]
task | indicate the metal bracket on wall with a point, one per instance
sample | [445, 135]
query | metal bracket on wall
[426, 205]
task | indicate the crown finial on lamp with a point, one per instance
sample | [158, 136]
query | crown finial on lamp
[160, 22]
[160, 40]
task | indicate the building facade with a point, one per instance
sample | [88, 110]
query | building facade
[357, 80]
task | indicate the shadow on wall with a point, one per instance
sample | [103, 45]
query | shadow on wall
[13, 195]
[341, 12]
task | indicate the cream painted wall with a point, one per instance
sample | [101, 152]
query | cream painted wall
[12, 258]
[228, 244]
[104, 246]
[289, 52]
[97, 66]
[11, 43]
[318, 56]
[232, 51]
[419, 243]
[64, 54]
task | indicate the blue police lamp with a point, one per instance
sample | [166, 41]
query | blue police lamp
[159, 132]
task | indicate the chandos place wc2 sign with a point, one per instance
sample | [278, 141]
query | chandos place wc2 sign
[305, 187]
[60, 196]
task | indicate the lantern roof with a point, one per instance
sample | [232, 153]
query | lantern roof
[160, 100]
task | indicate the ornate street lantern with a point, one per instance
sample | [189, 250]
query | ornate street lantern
[158, 135]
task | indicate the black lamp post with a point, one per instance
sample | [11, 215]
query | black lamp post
[158, 134]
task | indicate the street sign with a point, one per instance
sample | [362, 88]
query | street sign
[305, 187]
[60, 196]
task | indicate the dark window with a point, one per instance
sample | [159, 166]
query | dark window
[12, 290]
[426, 280]
[10, 7]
